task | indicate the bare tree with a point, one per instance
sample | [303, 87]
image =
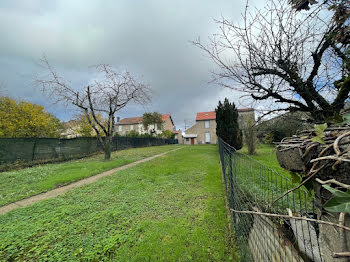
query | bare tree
[106, 97]
[286, 57]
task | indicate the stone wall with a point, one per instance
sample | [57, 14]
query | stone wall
[199, 129]
[179, 137]
[127, 128]
[168, 125]
[298, 154]
[267, 241]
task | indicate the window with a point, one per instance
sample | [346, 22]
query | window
[187, 139]
[206, 124]
[132, 127]
[120, 128]
[207, 137]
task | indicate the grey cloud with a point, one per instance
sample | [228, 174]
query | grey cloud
[150, 38]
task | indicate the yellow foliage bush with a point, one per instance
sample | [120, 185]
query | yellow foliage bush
[24, 119]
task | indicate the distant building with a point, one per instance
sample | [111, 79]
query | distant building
[71, 129]
[204, 130]
[126, 125]
[178, 136]
[190, 139]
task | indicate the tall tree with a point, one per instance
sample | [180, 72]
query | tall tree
[24, 119]
[227, 124]
[154, 119]
[291, 59]
[107, 95]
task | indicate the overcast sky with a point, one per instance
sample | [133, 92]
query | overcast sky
[148, 37]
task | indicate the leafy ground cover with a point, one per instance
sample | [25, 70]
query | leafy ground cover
[169, 209]
[23, 183]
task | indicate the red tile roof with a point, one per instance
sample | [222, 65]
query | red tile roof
[138, 120]
[211, 115]
[130, 120]
[206, 116]
[165, 117]
[245, 109]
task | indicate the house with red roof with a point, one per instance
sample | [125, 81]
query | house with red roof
[204, 130]
[125, 125]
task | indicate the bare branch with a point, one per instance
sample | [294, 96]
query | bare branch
[282, 55]
[111, 91]
[332, 181]
[291, 217]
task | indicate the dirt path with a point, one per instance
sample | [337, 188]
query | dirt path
[61, 190]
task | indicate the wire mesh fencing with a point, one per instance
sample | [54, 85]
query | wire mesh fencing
[45, 149]
[253, 187]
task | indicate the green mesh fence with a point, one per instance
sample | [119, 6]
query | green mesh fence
[41, 149]
[253, 187]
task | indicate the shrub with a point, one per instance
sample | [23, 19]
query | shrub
[133, 133]
[250, 137]
[268, 139]
[227, 124]
[274, 130]
[167, 134]
[24, 119]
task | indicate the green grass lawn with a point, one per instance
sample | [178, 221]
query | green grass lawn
[259, 181]
[23, 183]
[266, 155]
[169, 209]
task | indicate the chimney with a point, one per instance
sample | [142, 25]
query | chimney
[118, 119]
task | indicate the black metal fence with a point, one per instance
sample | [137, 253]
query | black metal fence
[42, 149]
[251, 186]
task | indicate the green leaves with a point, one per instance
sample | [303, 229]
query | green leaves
[296, 178]
[24, 119]
[336, 192]
[319, 129]
[340, 201]
[154, 119]
[339, 119]
[336, 118]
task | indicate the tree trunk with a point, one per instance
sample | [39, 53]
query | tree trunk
[108, 148]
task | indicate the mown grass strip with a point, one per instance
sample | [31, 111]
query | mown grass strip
[63, 189]
[21, 184]
[168, 209]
